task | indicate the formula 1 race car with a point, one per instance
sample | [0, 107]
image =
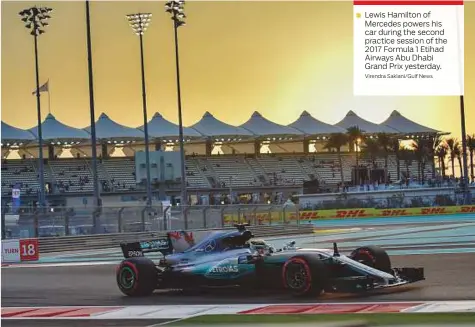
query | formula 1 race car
[233, 258]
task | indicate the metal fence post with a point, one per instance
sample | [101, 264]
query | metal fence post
[205, 225]
[270, 215]
[66, 222]
[223, 223]
[185, 216]
[4, 233]
[95, 215]
[165, 220]
[297, 215]
[119, 220]
[254, 215]
[36, 227]
[143, 219]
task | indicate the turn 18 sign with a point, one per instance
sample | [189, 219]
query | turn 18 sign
[20, 250]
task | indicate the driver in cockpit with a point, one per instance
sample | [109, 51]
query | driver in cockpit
[260, 247]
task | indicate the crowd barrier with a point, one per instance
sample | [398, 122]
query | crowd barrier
[262, 218]
[104, 241]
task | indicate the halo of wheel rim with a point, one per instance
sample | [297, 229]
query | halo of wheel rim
[296, 276]
[365, 257]
[127, 278]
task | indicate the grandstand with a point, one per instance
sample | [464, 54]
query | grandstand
[258, 154]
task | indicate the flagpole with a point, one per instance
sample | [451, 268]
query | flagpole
[49, 97]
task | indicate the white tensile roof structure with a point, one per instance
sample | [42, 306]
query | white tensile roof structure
[309, 125]
[261, 126]
[212, 127]
[107, 129]
[14, 135]
[353, 120]
[159, 127]
[55, 131]
[406, 126]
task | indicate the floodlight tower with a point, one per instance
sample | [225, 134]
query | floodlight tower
[92, 117]
[139, 23]
[35, 19]
[176, 9]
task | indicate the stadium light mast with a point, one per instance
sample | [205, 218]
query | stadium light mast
[176, 9]
[139, 23]
[95, 177]
[35, 19]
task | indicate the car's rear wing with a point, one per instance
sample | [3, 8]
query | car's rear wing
[173, 241]
[138, 249]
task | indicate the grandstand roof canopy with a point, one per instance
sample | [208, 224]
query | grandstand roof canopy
[353, 120]
[12, 134]
[159, 127]
[55, 131]
[312, 126]
[212, 127]
[404, 125]
[261, 126]
[107, 129]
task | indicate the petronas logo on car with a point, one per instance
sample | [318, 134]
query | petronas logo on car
[225, 269]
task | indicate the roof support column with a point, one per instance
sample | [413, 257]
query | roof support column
[158, 146]
[50, 151]
[105, 154]
[257, 147]
[306, 144]
[209, 147]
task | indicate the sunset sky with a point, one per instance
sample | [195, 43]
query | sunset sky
[279, 58]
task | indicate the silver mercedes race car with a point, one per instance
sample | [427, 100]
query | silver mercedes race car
[233, 258]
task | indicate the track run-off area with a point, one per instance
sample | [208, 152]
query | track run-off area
[443, 245]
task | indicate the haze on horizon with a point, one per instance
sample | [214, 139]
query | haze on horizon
[278, 58]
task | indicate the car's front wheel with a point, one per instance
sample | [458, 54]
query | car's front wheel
[304, 276]
[137, 276]
[373, 256]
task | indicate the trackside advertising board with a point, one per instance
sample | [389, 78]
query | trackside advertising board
[266, 217]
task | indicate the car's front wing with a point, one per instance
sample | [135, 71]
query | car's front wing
[356, 284]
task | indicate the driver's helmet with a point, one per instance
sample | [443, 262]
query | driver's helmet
[259, 246]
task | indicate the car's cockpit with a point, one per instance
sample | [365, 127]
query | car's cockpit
[220, 241]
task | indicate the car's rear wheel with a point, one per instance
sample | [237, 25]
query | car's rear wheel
[304, 276]
[373, 256]
[137, 277]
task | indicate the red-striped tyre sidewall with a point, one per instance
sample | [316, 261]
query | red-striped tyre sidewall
[308, 271]
[134, 269]
[365, 253]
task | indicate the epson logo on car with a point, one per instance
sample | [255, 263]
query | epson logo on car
[135, 254]
[225, 269]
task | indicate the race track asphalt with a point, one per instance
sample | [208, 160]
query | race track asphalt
[448, 277]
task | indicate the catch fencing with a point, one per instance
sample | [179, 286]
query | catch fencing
[64, 221]
[104, 241]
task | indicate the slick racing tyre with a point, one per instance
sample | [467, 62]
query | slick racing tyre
[137, 277]
[304, 276]
[373, 256]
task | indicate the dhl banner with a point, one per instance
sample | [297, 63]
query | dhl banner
[289, 216]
